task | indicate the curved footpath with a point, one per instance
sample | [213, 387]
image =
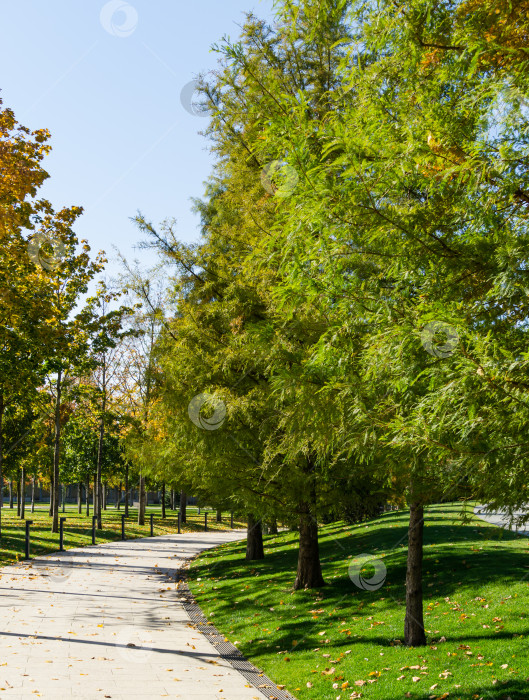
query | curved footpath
[499, 519]
[109, 621]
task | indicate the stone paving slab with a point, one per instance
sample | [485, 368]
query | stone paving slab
[108, 621]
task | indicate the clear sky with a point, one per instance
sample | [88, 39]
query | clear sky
[105, 78]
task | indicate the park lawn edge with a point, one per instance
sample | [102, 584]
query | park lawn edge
[340, 640]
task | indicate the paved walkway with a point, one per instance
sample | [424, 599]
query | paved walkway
[499, 519]
[108, 622]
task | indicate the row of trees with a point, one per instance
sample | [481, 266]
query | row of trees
[353, 322]
[350, 329]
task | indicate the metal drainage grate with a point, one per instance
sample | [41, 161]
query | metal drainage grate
[227, 650]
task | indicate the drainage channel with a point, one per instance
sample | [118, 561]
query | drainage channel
[227, 650]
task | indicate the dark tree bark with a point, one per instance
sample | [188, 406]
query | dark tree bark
[414, 623]
[79, 497]
[63, 493]
[183, 504]
[118, 495]
[33, 494]
[87, 496]
[172, 499]
[254, 539]
[18, 494]
[56, 454]
[309, 568]
[219, 515]
[22, 493]
[163, 501]
[105, 495]
[10, 493]
[142, 502]
[2, 408]
[272, 526]
[127, 491]
[50, 511]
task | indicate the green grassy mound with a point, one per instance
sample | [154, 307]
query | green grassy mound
[344, 642]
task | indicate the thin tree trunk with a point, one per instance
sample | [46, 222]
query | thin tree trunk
[18, 494]
[254, 539]
[32, 494]
[172, 499]
[87, 496]
[118, 496]
[105, 495]
[309, 568]
[56, 454]
[79, 497]
[219, 515]
[97, 486]
[183, 507]
[50, 510]
[142, 499]
[2, 408]
[63, 494]
[127, 491]
[163, 501]
[10, 493]
[22, 493]
[414, 623]
[272, 526]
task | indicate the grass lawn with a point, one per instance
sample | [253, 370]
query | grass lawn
[78, 528]
[344, 642]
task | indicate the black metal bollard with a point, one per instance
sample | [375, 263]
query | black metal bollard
[205, 522]
[232, 520]
[122, 527]
[61, 534]
[152, 526]
[179, 522]
[28, 523]
[94, 519]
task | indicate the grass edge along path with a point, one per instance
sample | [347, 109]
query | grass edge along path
[342, 642]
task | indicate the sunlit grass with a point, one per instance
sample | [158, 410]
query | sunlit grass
[341, 640]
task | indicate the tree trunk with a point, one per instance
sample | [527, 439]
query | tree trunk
[118, 495]
[172, 499]
[272, 526]
[105, 495]
[50, 510]
[2, 407]
[79, 497]
[163, 501]
[10, 493]
[18, 494]
[63, 494]
[254, 539]
[22, 493]
[142, 499]
[87, 496]
[56, 455]
[219, 515]
[309, 568]
[127, 491]
[97, 485]
[413, 623]
[33, 494]
[183, 503]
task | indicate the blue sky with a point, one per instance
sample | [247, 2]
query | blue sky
[105, 78]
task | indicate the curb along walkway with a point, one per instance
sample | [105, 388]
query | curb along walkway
[109, 622]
